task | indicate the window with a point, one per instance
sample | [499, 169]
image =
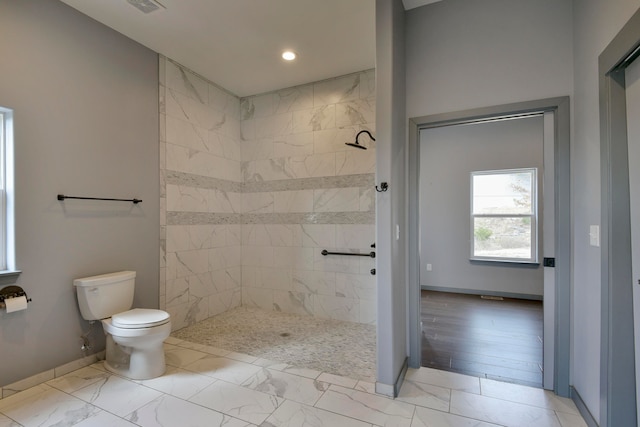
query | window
[7, 264]
[504, 215]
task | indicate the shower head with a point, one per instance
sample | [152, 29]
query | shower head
[356, 143]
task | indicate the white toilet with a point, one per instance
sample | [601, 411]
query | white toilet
[134, 337]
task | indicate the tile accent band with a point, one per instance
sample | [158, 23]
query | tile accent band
[342, 181]
[203, 218]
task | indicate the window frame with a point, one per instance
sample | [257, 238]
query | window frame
[533, 258]
[3, 222]
[8, 271]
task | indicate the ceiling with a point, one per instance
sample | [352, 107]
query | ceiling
[237, 43]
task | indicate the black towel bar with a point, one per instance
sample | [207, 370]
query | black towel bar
[326, 252]
[63, 197]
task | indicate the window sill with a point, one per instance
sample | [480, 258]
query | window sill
[9, 277]
[504, 261]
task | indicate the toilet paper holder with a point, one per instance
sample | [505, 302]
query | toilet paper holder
[11, 292]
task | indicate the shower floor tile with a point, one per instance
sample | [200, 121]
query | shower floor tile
[304, 342]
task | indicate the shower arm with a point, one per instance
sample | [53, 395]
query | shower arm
[357, 143]
[364, 131]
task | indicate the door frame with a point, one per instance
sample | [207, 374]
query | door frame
[617, 351]
[560, 108]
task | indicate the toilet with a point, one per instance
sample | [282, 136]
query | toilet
[135, 337]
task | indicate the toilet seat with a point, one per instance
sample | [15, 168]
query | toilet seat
[140, 318]
[140, 332]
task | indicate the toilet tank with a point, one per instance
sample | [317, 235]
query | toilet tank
[100, 297]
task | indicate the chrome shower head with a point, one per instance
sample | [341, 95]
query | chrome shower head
[356, 143]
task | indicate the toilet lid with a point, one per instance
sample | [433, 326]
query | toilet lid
[140, 318]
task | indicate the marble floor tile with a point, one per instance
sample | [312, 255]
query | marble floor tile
[179, 357]
[174, 341]
[366, 386]
[43, 405]
[292, 414]
[571, 420]
[78, 379]
[366, 407]
[425, 417]
[26, 383]
[179, 382]
[285, 367]
[527, 395]
[338, 380]
[427, 395]
[203, 388]
[7, 422]
[288, 386]
[501, 412]
[103, 419]
[204, 348]
[225, 369]
[444, 379]
[99, 366]
[170, 411]
[117, 395]
[77, 364]
[241, 357]
[239, 402]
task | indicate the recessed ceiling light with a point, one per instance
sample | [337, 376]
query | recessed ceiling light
[289, 55]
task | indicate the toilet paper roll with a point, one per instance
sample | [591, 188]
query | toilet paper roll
[16, 304]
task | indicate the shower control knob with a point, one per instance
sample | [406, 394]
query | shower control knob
[373, 271]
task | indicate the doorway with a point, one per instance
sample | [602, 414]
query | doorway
[618, 369]
[632, 80]
[482, 201]
[556, 129]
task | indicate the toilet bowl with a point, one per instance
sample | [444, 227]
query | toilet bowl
[134, 336]
[135, 341]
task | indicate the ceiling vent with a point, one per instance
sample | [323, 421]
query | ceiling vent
[146, 6]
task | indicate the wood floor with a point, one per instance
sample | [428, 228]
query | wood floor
[499, 340]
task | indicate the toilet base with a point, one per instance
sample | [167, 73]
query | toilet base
[140, 367]
[142, 362]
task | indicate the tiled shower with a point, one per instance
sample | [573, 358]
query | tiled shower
[253, 189]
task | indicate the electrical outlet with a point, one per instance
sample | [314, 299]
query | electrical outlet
[429, 267]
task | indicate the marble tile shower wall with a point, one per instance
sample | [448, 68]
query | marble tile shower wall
[304, 191]
[201, 196]
[252, 190]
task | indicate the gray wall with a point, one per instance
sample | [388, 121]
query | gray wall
[391, 211]
[85, 103]
[466, 54]
[596, 22]
[470, 54]
[447, 156]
